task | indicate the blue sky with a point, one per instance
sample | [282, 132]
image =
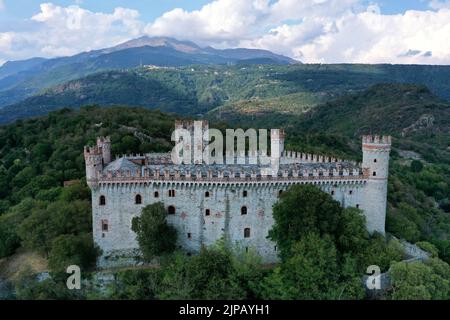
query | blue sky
[151, 9]
[386, 31]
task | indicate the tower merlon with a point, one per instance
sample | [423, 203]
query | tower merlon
[377, 140]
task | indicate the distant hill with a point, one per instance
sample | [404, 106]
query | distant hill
[20, 79]
[418, 119]
[237, 90]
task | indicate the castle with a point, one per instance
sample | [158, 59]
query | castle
[234, 201]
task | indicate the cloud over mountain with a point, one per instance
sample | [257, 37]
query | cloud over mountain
[308, 30]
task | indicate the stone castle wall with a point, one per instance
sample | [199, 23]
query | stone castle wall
[208, 200]
[196, 228]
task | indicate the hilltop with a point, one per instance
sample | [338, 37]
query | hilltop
[238, 89]
[20, 79]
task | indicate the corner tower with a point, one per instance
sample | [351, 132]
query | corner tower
[96, 158]
[376, 151]
[94, 163]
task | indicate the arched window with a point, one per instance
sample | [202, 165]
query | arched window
[280, 192]
[172, 193]
[138, 199]
[207, 212]
[244, 193]
[243, 210]
[374, 160]
[247, 233]
[357, 206]
[156, 194]
[102, 201]
[207, 194]
[332, 192]
[171, 210]
[350, 192]
[374, 174]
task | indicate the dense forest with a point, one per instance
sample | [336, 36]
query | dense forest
[246, 89]
[45, 205]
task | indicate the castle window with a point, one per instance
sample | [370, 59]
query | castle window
[244, 193]
[102, 201]
[332, 192]
[243, 210]
[207, 194]
[275, 248]
[374, 160]
[350, 192]
[357, 206]
[138, 199]
[171, 210]
[105, 225]
[207, 212]
[171, 193]
[246, 249]
[189, 235]
[374, 174]
[156, 194]
[280, 192]
[247, 233]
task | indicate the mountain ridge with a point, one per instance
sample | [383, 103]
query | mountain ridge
[23, 78]
[197, 89]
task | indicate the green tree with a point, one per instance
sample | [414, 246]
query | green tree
[352, 234]
[72, 250]
[9, 224]
[37, 231]
[416, 166]
[208, 275]
[28, 287]
[303, 209]
[421, 281]
[136, 284]
[154, 235]
[44, 224]
[381, 252]
[77, 191]
[312, 272]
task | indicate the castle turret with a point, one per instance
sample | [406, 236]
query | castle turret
[94, 164]
[376, 162]
[96, 158]
[104, 144]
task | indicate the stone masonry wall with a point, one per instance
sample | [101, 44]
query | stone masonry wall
[194, 227]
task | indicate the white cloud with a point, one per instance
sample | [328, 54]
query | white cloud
[68, 30]
[309, 30]
[231, 21]
[366, 37]
[317, 30]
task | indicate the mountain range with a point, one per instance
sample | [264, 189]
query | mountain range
[20, 79]
[227, 91]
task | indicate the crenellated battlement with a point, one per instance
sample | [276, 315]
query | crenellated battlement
[103, 140]
[300, 157]
[92, 151]
[190, 124]
[225, 175]
[377, 139]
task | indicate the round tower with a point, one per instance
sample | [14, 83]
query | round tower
[376, 151]
[93, 158]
